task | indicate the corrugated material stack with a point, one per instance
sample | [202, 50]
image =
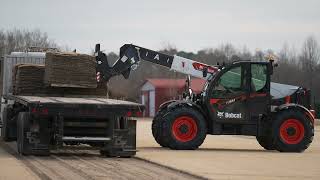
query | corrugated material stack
[64, 74]
[28, 79]
[14, 73]
[70, 70]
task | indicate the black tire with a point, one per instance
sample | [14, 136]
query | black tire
[183, 137]
[22, 128]
[157, 124]
[266, 142]
[106, 154]
[7, 127]
[292, 131]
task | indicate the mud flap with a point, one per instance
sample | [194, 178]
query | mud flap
[123, 143]
[36, 135]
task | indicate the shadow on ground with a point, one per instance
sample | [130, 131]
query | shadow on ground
[208, 149]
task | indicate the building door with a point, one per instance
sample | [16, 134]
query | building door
[152, 103]
[145, 102]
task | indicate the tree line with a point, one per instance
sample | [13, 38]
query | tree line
[300, 67]
[19, 40]
[297, 66]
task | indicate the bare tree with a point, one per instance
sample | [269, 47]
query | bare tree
[228, 50]
[2, 43]
[259, 55]
[284, 54]
[245, 54]
[309, 59]
[20, 40]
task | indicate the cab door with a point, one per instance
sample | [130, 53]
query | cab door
[259, 100]
[229, 93]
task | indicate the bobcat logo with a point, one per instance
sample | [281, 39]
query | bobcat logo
[220, 114]
[229, 115]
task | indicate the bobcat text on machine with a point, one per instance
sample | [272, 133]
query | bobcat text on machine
[237, 99]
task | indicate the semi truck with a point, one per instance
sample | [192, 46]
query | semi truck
[41, 123]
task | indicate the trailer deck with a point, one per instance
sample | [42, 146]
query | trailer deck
[26, 100]
[77, 106]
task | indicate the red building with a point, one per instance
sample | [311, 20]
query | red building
[154, 92]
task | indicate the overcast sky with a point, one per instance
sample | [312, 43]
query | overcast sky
[188, 25]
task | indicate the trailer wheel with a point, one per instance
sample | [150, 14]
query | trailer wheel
[185, 128]
[157, 125]
[22, 128]
[292, 131]
[6, 130]
[266, 142]
[110, 154]
[106, 154]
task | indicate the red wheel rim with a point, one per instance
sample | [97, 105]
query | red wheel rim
[184, 128]
[292, 131]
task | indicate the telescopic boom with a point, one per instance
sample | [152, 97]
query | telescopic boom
[131, 55]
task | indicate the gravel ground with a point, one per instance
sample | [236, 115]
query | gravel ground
[220, 157]
[80, 165]
[233, 157]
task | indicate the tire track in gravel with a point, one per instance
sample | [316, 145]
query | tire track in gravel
[90, 170]
[123, 171]
[128, 168]
[45, 166]
[82, 165]
[78, 172]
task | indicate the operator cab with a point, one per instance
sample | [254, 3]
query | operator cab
[238, 95]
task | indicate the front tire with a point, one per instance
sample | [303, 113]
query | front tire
[184, 128]
[292, 131]
[157, 125]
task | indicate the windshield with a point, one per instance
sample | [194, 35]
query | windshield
[234, 80]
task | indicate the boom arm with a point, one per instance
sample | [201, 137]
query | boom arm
[131, 55]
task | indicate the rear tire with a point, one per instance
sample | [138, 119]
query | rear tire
[106, 154]
[184, 128]
[22, 128]
[157, 125]
[266, 142]
[292, 131]
[7, 127]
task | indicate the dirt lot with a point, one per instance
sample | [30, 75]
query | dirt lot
[220, 157]
[233, 157]
[78, 165]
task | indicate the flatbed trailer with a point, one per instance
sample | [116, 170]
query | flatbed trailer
[40, 124]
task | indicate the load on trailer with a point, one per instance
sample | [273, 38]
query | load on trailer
[40, 123]
[237, 99]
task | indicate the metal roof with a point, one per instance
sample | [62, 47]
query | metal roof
[27, 54]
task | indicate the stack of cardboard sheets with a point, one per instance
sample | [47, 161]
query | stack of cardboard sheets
[70, 70]
[64, 74]
[28, 79]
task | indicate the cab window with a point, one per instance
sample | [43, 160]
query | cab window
[258, 77]
[230, 83]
